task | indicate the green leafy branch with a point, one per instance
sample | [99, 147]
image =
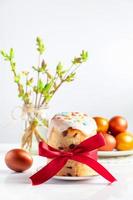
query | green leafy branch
[44, 85]
[22, 93]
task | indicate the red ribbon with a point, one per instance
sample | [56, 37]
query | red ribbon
[85, 152]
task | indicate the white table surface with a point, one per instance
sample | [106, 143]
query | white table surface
[16, 186]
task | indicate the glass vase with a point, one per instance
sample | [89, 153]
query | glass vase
[36, 126]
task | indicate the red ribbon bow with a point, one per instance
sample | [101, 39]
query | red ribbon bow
[84, 153]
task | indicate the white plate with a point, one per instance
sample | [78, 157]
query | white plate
[74, 178]
[114, 153]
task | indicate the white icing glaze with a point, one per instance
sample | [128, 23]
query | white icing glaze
[75, 120]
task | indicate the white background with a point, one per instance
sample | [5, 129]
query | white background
[104, 85]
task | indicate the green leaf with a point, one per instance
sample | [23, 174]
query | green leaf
[35, 89]
[17, 78]
[49, 75]
[40, 45]
[43, 67]
[76, 60]
[21, 90]
[11, 53]
[47, 87]
[5, 55]
[71, 77]
[48, 98]
[29, 82]
[45, 122]
[63, 72]
[40, 86]
[25, 73]
[84, 56]
[43, 64]
[59, 68]
[25, 97]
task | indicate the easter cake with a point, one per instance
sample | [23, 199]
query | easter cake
[67, 130]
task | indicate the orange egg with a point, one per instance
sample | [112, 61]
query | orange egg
[117, 125]
[102, 124]
[124, 141]
[18, 160]
[110, 143]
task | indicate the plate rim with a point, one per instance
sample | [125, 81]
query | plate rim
[115, 153]
[71, 178]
